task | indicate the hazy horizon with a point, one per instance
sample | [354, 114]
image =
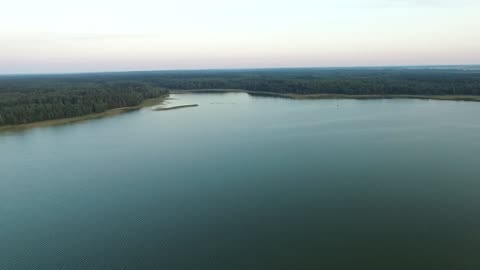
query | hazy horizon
[469, 66]
[56, 36]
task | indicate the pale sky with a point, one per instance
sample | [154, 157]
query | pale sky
[62, 36]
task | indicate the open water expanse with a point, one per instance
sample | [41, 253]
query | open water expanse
[244, 182]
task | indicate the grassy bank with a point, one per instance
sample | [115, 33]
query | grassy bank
[71, 120]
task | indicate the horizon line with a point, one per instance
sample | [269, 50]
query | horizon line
[235, 69]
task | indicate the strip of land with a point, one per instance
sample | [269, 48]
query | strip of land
[175, 107]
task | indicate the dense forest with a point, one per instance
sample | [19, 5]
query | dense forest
[330, 81]
[30, 98]
[22, 102]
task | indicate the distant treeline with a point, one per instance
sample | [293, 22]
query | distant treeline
[335, 81]
[25, 99]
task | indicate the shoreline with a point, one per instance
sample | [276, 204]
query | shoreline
[158, 100]
[77, 119]
[331, 96]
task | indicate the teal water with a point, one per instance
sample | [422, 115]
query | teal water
[245, 182]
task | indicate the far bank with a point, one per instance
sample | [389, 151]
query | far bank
[331, 96]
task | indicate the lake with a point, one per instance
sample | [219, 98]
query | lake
[245, 182]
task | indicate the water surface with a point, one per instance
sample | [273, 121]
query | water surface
[244, 182]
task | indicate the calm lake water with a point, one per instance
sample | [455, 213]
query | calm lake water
[245, 182]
